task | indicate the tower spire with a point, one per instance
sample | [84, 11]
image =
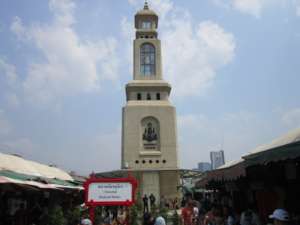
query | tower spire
[146, 7]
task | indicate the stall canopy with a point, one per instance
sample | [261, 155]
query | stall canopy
[286, 147]
[16, 170]
[19, 165]
[283, 148]
[229, 171]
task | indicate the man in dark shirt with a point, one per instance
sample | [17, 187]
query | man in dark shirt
[145, 201]
[152, 200]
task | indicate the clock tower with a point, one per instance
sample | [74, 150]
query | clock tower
[149, 131]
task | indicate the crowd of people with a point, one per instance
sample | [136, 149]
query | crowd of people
[168, 203]
[204, 212]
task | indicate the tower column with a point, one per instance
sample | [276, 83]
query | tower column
[149, 129]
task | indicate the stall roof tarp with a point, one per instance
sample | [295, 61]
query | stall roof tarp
[282, 148]
[229, 171]
[6, 180]
[8, 177]
[20, 165]
[230, 164]
[17, 178]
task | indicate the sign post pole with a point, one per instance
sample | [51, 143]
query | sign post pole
[92, 213]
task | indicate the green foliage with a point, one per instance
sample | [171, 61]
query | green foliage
[139, 203]
[98, 214]
[133, 215]
[154, 211]
[73, 215]
[56, 216]
[175, 218]
[164, 213]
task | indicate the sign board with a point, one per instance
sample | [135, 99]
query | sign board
[111, 191]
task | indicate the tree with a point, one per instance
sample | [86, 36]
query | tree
[56, 216]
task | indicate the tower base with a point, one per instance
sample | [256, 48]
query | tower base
[161, 183]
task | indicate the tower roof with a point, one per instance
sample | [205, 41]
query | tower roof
[146, 11]
[146, 14]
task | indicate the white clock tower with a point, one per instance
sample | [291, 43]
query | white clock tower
[149, 131]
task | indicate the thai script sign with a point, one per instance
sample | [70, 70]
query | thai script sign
[110, 191]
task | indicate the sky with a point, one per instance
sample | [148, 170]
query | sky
[233, 66]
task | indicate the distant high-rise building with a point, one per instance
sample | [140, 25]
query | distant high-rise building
[217, 159]
[204, 166]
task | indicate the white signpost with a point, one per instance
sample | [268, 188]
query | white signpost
[110, 192]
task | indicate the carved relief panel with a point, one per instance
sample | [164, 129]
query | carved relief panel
[150, 133]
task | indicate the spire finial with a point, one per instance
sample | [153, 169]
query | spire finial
[146, 7]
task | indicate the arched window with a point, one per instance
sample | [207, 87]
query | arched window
[148, 96]
[139, 96]
[147, 59]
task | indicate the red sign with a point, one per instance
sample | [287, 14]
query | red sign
[110, 191]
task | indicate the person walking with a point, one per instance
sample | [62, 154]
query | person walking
[280, 217]
[145, 201]
[86, 221]
[152, 200]
[160, 221]
[250, 217]
[228, 216]
[187, 213]
[148, 219]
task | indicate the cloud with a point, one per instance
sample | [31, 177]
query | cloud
[162, 7]
[101, 152]
[9, 142]
[63, 11]
[71, 65]
[18, 28]
[9, 71]
[20, 146]
[11, 81]
[192, 53]
[127, 32]
[5, 126]
[12, 100]
[236, 133]
[108, 148]
[291, 118]
[298, 7]
[251, 7]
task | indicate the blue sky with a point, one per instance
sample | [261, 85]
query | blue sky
[233, 64]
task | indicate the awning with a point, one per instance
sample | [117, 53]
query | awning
[229, 171]
[283, 148]
[43, 183]
[6, 180]
[23, 166]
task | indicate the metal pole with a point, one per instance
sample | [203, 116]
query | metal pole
[92, 214]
